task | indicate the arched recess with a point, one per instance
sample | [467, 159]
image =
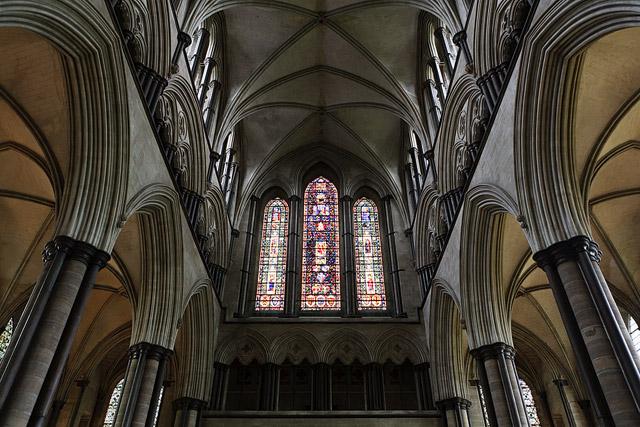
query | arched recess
[94, 189]
[245, 345]
[398, 345]
[447, 344]
[346, 345]
[426, 227]
[195, 344]
[162, 269]
[483, 291]
[550, 166]
[214, 225]
[454, 156]
[295, 345]
[180, 109]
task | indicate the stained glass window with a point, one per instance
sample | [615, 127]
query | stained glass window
[157, 414]
[5, 338]
[369, 276]
[273, 256]
[320, 257]
[529, 404]
[635, 333]
[110, 418]
[485, 414]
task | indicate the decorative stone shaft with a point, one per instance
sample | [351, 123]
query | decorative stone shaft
[321, 398]
[269, 387]
[374, 387]
[220, 378]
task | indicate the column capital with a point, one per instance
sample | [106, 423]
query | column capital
[255, 199]
[452, 403]
[294, 198]
[152, 351]
[492, 351]
[567, 250]
[387, 198]
[184, 39]
[188, 403]
[561, 382]
[460, 36]
[346, 199]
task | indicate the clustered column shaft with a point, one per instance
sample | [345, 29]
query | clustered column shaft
[33, 363]
[499, 380]
[604, 351]
[142, 385]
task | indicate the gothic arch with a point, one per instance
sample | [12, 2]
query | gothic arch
[161, 226]
[398, 345]
[245, 344]
[483, 294]
[544, 163]
[295, 345]
[456, 122]
[87, 210]
[346, 345]
[446, 345]
[195, 343]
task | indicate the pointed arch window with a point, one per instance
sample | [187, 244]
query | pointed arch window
[369, 275]
[273, 257]
[529, 404]
[110, 418]
[320, 259]
[5, 338]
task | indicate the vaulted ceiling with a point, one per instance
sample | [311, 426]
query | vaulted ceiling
[340, 74]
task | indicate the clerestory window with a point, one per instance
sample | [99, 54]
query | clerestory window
[320, 288]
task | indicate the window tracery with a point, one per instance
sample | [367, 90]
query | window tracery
[369, 272]
[273, 256]
[320, 259]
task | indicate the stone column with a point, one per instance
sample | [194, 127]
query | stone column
[33, 363]
[219, 389]
[349, 274]
[460, 39]
[601, 343]
[187, 412]
[455, 412]
[395, 271]
[142, 385]
[201, 44]
[183, 42]
[560, 383]
[441, 37]
[321, 398]
[293, 245]
[374, 387]
[269, 387]
[499, 381]
[417, 175]
[74, 413]
[56, 409]
[423, 386]
[247, 260]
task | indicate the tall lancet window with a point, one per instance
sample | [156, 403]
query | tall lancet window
[320, 257]
[273, 257]
[369, 276]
